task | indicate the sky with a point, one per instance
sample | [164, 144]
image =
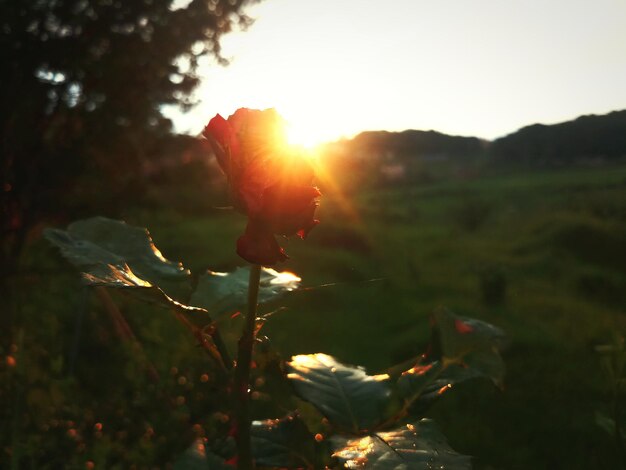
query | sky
[485, 68]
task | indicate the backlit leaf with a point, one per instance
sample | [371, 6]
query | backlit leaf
[110, 253]
[227, 292]
[104, 240]
[418, 446]
[351, 400]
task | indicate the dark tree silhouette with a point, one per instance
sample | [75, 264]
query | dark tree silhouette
[82, 84]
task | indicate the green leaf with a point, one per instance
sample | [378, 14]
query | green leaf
[197, 457]
[222, 293]
[419, 380]
[461, 349]
[113, 254]
[351, 400]
[284, 443]
[102, 240]
[469, 348]
[413, 446]
[460, 335]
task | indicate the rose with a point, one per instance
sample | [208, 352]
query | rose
[269, 181]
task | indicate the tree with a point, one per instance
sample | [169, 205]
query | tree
[81, 91]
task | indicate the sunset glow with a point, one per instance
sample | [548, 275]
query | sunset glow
[334, 69]
[304, 134]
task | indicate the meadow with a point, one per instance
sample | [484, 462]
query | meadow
[540, 254]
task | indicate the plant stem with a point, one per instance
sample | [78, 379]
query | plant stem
[617, 414]
[242, 374]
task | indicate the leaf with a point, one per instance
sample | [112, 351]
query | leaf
[108, 241]
[419, 380]
[222, 293]
[284, 443]
[471, 346]
[461, 349]
[123, 278]
[413, 446]
[197, 457]
[103, 250]
[351, 400]
[459, 336]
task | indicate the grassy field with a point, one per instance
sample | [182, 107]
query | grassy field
[541, 255]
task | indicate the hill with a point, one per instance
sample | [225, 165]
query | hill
[413, 143]
[379, 157]
[587, 139]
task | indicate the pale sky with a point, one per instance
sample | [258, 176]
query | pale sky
[334, 68]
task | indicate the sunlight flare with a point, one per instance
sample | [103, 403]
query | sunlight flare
[302, 135]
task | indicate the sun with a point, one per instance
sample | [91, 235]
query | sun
[302, 136]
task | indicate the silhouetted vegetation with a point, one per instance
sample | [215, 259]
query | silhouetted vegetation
[82, 86]
[478, 226]
[587, 140]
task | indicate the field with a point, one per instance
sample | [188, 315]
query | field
[541, 255]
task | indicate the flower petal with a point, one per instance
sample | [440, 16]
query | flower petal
[258, 246]
[224, 142]
[289, 209]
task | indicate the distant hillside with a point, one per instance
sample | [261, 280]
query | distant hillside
[587, 139]
[414, 143]
[381, 157]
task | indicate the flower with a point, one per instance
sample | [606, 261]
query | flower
[269, 181]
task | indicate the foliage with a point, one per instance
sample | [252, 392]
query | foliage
[418, 445]
[82, 94]
[370, 419]
[347, 312]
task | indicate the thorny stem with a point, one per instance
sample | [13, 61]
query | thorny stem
[242, 375]
[216, 349]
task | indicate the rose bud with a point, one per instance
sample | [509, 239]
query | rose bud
[269, 181]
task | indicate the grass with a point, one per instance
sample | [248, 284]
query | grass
[542, 255]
